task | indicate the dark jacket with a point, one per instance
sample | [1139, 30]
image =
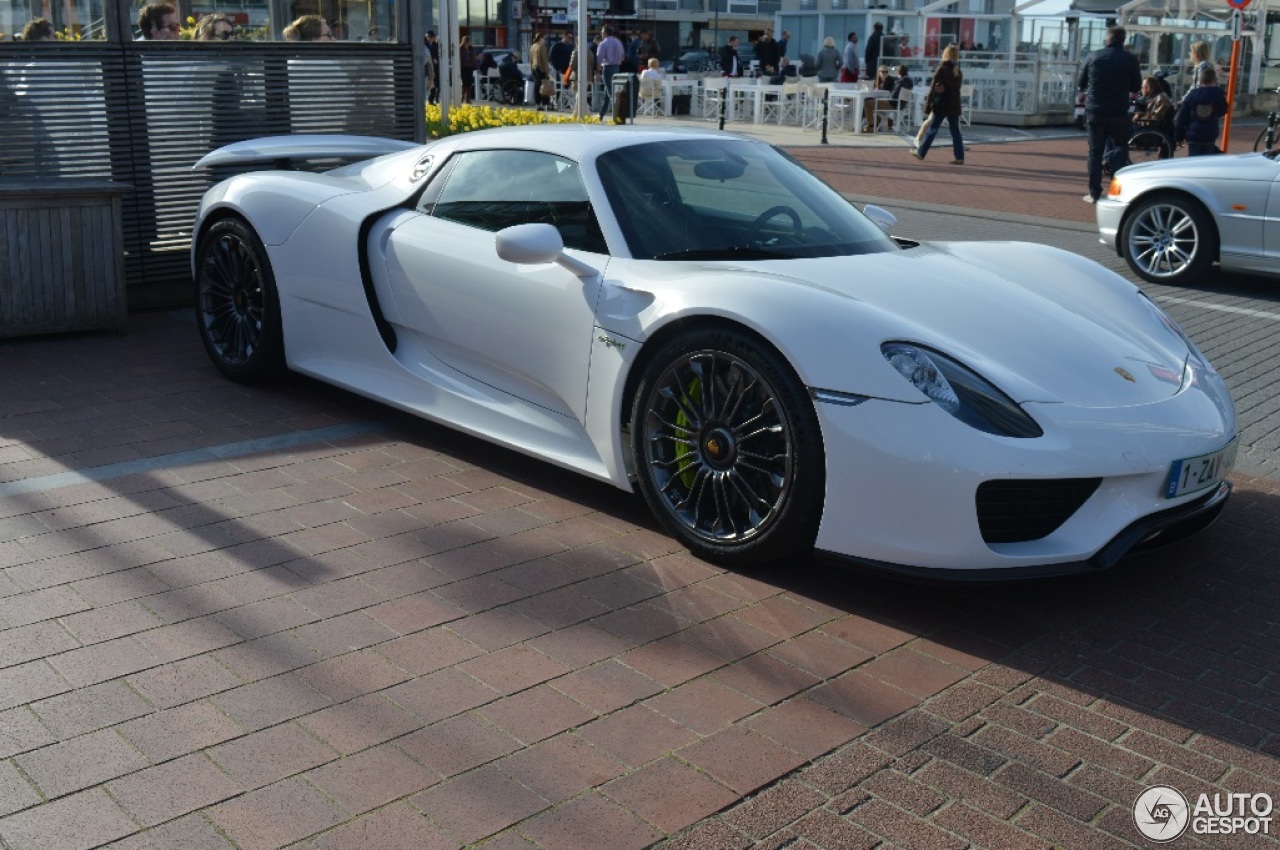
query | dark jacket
[947, 79]
[560, 53]
[1108, 77]
[901, 85]
[874, 47]
[768, 54]
[1197, 119]
[727, 56]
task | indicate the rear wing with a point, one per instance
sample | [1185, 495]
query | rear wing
[285, 149]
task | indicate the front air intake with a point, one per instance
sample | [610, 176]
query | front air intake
[1015, 511]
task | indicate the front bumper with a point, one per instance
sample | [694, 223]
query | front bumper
[902, 482]
[1109, 215]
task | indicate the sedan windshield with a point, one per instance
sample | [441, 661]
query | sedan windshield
[713, 199]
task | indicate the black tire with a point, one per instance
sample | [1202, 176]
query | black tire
[237, 306]
[1148, 145]
[736, 474]
[1169, 239]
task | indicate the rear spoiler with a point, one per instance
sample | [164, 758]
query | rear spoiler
[286, 148]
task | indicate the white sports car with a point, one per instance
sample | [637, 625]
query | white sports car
[695, 315]
[1171, 219]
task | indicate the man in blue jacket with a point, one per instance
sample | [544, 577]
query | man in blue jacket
[1197, 120]
[1109, 78]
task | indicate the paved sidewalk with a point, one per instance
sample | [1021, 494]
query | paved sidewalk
[286, 616]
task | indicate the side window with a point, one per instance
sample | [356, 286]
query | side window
[493, 190]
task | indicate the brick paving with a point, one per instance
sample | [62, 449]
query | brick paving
[288, 617]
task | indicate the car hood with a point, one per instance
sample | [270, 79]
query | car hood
[1248, 166]
[1044, 325]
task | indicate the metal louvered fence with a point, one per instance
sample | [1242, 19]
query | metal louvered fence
[142, 113]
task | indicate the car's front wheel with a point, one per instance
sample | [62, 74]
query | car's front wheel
[728, 451]
[1169, 240]
[237, 306]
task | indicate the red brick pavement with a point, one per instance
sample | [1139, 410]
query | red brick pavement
[1044, 178]
[407, 638]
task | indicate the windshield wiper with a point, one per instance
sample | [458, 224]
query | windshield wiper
[728, 252]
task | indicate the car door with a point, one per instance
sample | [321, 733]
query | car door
[1271, 223]
[522, 329]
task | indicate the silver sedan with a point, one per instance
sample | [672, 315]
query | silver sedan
[1173, 219]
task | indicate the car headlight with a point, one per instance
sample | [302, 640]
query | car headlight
[960, 391]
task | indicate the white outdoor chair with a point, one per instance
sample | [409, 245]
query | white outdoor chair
[895, 118]
[714, 92]
[966, 103]
[650, 98]
[784, 107]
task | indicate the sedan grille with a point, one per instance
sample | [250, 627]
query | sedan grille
[1015, 511]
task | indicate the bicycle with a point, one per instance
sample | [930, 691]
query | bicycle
[1267, 138]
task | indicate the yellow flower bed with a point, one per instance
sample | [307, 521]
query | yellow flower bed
[471, 116]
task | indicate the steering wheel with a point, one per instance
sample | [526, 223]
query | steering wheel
[753, 232]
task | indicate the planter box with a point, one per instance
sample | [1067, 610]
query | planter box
[61, 256]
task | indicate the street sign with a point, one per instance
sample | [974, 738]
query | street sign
[1238, 4]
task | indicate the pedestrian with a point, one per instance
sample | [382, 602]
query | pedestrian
[944, 105]
[875, 46]
[560, 53]
[540, 69]
[730, 65]
[1200, 56]
[432, 62]
[1109, 77]
[782, 44]
[768, 54]
[609, 56]
[850, 64]
[1197, 120]
[828, 61]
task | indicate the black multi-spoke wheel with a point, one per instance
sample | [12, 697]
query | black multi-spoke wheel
[727, 448]
[1169, 239]
[237, 307]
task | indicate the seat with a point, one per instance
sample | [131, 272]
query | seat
[893, 118]
[966, 103]
[488, 86]
[811, 95]
[650, 97]
[790, 103]
[714, 94]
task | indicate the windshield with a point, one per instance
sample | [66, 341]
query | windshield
[709, 199]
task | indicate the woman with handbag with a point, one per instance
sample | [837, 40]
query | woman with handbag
[540, 65]
[944, 104]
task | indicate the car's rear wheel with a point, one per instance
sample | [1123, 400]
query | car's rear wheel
[728, 451]
[237, 306]
[1169, 239]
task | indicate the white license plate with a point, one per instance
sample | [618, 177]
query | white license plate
[1197, 473]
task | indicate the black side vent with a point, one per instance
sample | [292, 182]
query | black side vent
[1015, 511]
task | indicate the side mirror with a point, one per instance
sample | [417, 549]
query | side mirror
[882, 217]
[535, 245]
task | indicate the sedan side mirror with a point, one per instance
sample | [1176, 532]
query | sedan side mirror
[881, 216]
[535, 245]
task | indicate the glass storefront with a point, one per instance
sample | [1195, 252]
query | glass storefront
[368, 21]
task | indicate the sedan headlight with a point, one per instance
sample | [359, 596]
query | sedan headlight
[960, 391]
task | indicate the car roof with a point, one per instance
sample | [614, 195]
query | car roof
[577, 141]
